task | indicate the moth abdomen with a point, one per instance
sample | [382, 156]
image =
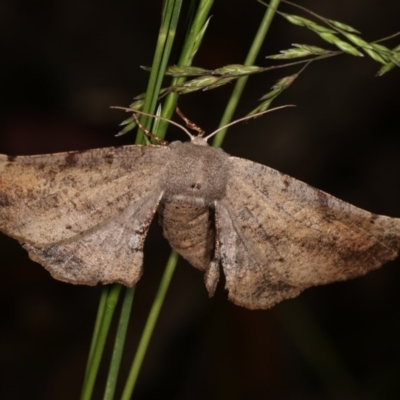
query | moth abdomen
[188, 225]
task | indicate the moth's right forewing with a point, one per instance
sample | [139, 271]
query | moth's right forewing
[303, 235]
[249, 282]
[50, 198]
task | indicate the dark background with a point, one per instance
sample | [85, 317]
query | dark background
[63, 63]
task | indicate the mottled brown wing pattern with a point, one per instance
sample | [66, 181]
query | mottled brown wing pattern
[300, 235]
[83, 215]
[109, 253]
[53, 197]
[249, 281]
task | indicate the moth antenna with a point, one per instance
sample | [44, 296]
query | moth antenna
[245, 118]
[190, 124]
[154, 116]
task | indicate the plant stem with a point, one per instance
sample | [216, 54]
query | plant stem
[100, 340]
[119, 344]
[250, 59]
[149, 327]
[165, 40]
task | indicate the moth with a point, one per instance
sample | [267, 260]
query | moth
[84, 216]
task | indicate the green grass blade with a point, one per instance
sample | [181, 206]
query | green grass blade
[101, 337]
[149, 327]
[250, 59]
[165, 40]
[164, 45]
[97, 326]
[119, 344]
[190, 47]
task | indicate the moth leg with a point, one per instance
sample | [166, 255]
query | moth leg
[151, 135]
[189, 123]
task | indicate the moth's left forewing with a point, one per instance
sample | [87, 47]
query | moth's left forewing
[301, 234]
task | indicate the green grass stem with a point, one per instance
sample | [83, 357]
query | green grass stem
[250, 60]
[149, 327]
[100, 337]
[119, 344]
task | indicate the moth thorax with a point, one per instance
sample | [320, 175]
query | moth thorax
[196, 173]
